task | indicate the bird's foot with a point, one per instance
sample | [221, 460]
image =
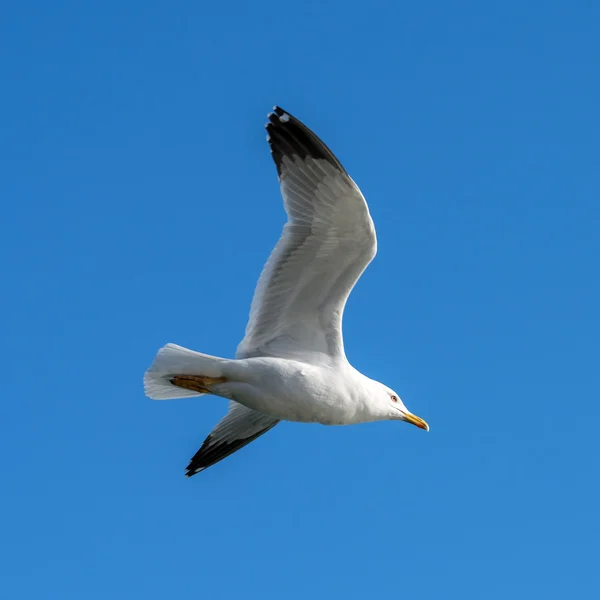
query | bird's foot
[196, 383]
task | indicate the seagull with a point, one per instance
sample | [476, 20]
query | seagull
[291, 364]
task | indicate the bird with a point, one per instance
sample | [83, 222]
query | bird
[291, 364]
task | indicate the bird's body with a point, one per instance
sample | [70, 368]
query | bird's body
[291, 364]
[334, 393]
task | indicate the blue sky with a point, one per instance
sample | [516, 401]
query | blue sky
[139, 205]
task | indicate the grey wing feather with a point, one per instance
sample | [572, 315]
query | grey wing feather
[325, 246]
[236, 429]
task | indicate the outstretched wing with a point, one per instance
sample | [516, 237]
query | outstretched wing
[325, 246]
[236, 429]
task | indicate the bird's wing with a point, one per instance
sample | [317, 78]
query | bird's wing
[326, 244]
[236, 429]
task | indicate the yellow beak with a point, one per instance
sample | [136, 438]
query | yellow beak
[414, 420]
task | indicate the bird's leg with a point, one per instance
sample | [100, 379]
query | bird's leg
[196, 383]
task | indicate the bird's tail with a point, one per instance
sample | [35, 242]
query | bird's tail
[171, 361]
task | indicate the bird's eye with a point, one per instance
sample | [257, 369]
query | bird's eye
[394, 398]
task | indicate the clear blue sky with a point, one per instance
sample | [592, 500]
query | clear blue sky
[139, 205]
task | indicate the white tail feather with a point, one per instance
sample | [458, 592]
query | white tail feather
[177, 360]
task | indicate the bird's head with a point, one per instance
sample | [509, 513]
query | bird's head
[396, 410]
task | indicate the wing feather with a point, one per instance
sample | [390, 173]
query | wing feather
[325, 246]
[236, 429]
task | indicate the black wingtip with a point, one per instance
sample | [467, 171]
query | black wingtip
[194, 468]
[287, 136]
[212, 452]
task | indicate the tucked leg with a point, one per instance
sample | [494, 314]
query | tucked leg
[196, 383]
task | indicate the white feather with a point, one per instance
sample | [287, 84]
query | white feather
[325, 246]
[177, 360]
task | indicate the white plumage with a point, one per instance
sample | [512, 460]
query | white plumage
[326, 244]
[291, 363]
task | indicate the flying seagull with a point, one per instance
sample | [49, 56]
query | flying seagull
[291, 364]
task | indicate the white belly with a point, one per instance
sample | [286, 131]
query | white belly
[294, 391]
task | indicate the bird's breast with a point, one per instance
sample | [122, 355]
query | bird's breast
[301, 392]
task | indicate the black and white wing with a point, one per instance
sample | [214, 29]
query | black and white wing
[325, 246]
[236, 429]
